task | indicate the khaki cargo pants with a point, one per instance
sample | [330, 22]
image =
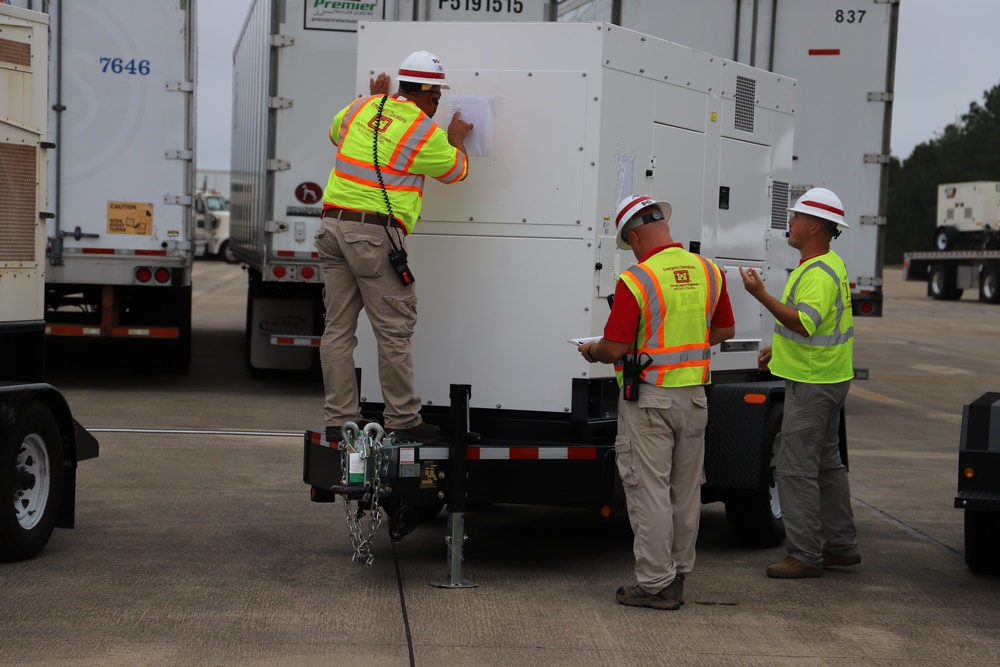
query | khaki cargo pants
[357, 274]
[660, 452]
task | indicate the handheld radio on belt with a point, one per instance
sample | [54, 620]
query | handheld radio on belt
[632, 370]
[397, 256]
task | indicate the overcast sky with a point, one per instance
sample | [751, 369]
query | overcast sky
[948, 55]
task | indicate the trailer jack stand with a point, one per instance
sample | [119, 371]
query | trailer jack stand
[455, 539]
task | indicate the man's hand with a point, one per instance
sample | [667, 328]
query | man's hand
[379, 85]
[458, 129]
[752, 283]
[764, 358]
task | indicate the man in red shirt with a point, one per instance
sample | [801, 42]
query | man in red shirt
[668, 311]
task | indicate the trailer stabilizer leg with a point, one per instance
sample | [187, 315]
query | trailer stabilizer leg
[455, 539]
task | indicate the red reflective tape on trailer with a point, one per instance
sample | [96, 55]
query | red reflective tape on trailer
[71, 330]
[824, 52]
[158, 253]
[314, 255]
[98, 251]
[522, 453]
[303, 341]
[582, 453]
[145, 332]
[472, 453]
[285, 253]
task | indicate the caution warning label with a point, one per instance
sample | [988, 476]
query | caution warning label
[125, 217]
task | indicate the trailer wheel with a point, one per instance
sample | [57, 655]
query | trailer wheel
[989, 285]
[754, 518]
[942, 239]
[31, 482]
[982, 541]
[226, 253]
[941, 283]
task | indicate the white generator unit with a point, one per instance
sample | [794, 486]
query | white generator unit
[521, 256]
[968, 213]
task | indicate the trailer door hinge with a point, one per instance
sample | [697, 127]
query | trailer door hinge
[877, 220]
[876, 158]
[279, 102]
[180, 200]
[275, 226]
[282, 40]
[278, 165]
[182, 86]
[880, 97]
[178, 155]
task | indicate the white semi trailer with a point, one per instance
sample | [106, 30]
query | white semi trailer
[121, 174]
[40, 442]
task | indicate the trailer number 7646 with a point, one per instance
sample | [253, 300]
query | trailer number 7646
[120, 65]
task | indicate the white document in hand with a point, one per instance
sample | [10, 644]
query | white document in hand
[580, 341]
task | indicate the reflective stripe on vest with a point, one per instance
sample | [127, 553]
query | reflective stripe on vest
[682, 354]
[838, 337]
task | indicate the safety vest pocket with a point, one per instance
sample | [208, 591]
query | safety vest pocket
[625, 461]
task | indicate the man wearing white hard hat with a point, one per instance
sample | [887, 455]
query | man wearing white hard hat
[371, 203]
[813, 351]
[668, 310]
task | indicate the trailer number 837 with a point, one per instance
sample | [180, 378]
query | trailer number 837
[850, 15]
[120, 65]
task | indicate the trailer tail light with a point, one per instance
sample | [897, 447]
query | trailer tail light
[968, 472]
[866, 307]
[162, 275]
[605, 511]
[307, 272]
[143, 274]
[278, 272]
[755, 399]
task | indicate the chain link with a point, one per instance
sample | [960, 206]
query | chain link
[368, 445]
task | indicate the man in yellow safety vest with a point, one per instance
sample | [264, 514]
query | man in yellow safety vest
[813, 351]
[668, 311]
[378, 183]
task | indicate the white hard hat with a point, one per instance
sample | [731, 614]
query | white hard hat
[422, 67]
[626, 212]
[821, 203]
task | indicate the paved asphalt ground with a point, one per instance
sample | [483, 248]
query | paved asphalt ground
[203, 549]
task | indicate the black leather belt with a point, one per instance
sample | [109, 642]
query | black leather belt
[366, 217]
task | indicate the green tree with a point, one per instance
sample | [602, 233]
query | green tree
[967, 150]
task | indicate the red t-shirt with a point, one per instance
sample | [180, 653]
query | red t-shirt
[624, 318]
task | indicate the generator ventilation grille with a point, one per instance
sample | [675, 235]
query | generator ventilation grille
[746, 95]
[17, 202]
[779, 205]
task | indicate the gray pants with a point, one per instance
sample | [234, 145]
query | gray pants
[357, 273]
[660, 453]
[813, 487]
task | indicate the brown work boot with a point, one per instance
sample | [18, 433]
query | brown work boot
[793, 568]
[422, 432]
[840, 560]
[634, 596]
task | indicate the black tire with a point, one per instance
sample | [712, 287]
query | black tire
[943, 239]
[989, 285]
[754, 518]
[226, 254]
[982, 541]
[31, 482]
[941, 283]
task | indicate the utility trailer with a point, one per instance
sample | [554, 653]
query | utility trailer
[521, 256]
[121, 175]
[949, 273]
[40, 442]
[979, 482]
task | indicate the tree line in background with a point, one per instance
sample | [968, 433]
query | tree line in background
[968, 150]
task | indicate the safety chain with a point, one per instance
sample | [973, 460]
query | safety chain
[368, 445]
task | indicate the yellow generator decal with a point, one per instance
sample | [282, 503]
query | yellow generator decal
[126, 217]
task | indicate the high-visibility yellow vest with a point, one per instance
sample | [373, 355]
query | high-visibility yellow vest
[677, 292]
[820, 291]
[410, 146]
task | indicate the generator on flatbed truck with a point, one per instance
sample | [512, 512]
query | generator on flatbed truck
[948, 274]
[121, 175]
[968, 213]
[521, 256]
[40, 442]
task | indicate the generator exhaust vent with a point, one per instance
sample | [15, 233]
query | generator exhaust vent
[779, 205]
[17, 202]
[746, 96]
